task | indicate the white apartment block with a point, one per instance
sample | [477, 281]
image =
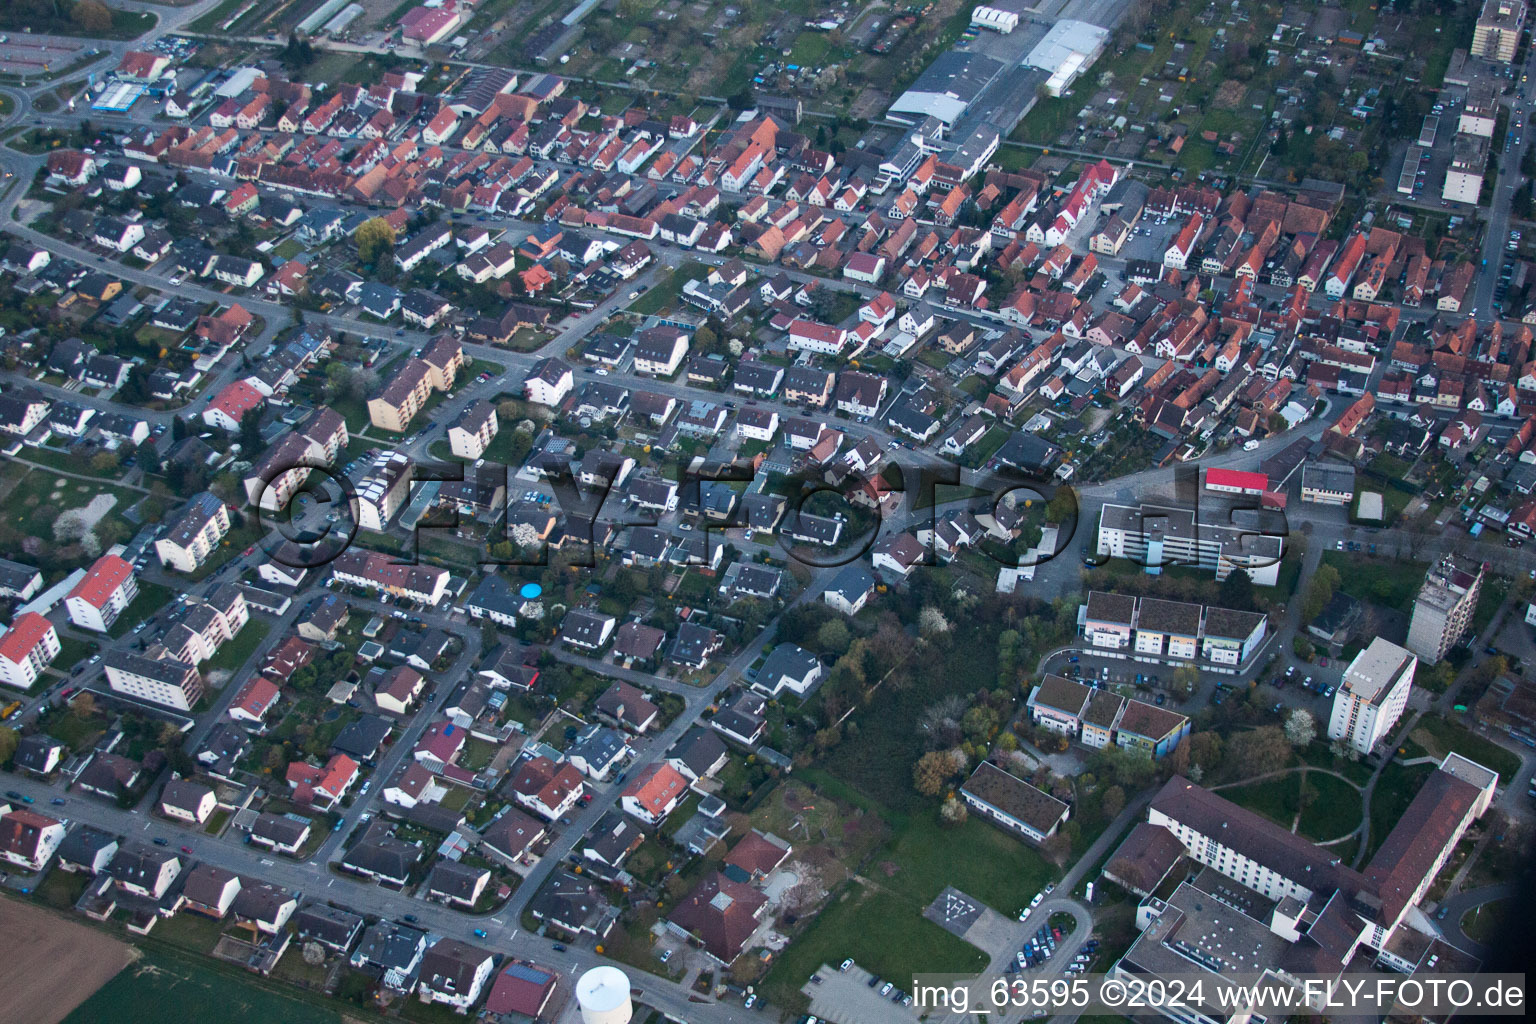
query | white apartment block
[1442, 611]
[188, 542]
[383, 490]
[1372, 696]
[164, 681]
[97, 600]
[1154, 536]
[27, 648]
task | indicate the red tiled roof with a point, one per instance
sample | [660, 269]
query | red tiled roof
[25, 633]
[257, 696]
[237, 399]
[657, 787]
[102, 580]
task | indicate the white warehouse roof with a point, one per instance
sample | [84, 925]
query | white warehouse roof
[1066, 39]
[995, 18]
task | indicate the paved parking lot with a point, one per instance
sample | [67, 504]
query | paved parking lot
[26, 54]
[847, 998]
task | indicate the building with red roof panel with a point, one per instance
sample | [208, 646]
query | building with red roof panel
[26, 649]
[522, 988]
[254, 700]
[1233, 481]
[322, 787]
[29, 839]
[655, 793]
[109, 586]
[546, 788]
[230, 405]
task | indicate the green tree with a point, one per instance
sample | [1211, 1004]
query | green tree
[932, 772]
[832, 638]
[1236, 591]
[1186, 678]
[375, 239]
[1320, 590]
[979, 723]
[1258, 752]
[8, 740]
[250, 433]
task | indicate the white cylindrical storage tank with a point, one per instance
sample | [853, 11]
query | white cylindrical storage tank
[603, 995]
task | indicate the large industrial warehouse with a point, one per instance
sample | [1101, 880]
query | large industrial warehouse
[1067, 50]
[946, 89]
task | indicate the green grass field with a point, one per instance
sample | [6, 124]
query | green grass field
[1279, 799]
[152, 597]
[665, 294]
[1384, 581]
[1333, 812]
[885, 934]
[1446, 736]
[238, 651]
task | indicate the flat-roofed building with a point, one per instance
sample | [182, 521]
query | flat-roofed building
[1442, 611]
[1013, 804]
[1373, 695]
[1154, 536]
[1497, 34]
[1231, 636]
[1110, 619]
[1058, 703]
[1327, 484]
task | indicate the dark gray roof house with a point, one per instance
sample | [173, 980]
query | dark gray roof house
[330, 926]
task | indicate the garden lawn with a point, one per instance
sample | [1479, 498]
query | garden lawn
[1384, 581]
[885, 934]
[666, 292]
[1482, 923]
[239, 650]
[1447, 736]
[997, 869]
[72, 651]
[1277, 799]
[1334, 812]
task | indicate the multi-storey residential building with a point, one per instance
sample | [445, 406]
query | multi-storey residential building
[165, 681]
[383, 490]
[473, 431]
[272, 482]
[1444, 606]
[27, 648]
[375, 570]
[28, 839]
[1497, 35]
[1372, 696]
[548, 382]
[403, 397]
[1098, 718]
[188, 542]
[1156, 535]
[1469, 163]
[97, 600]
